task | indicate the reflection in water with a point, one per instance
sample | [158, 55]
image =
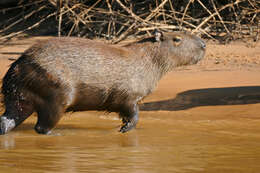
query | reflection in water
[186, 143]
[129, 140]
[7, 142]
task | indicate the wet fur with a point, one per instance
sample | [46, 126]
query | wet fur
[74, 74]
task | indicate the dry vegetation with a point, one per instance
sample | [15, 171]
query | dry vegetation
[116, 20]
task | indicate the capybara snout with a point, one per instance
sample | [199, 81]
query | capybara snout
[76, 74]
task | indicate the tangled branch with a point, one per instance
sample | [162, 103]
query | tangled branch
[116, 20]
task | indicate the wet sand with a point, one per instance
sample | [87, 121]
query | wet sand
[202, 118]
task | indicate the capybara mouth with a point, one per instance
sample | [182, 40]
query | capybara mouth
[198, 58]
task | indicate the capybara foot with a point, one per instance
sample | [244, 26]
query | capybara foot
[129, 118]
[126, 127]
[6, 125]
[129, 124]
[41, 130]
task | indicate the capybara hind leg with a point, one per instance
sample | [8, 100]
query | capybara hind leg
[14, 115]
[129, 116]
[48, 117]
[6, 124]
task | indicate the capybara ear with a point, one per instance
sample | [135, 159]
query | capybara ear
[159, 36]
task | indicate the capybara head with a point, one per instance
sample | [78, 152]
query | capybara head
[182, 48]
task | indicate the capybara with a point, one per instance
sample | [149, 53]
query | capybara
[76, 74]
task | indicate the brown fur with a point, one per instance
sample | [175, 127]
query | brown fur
[75, 74]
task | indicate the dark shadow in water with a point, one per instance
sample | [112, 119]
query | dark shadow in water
[207, 97]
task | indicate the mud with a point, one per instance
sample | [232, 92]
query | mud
[202, 118]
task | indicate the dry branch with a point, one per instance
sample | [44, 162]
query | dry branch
[117, 19]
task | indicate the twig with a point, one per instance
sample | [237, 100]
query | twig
[60, 16]
[214, 14]
[117, 19]
[158, 27]
[173, 12]
[21, 19]
[29, 28]
[20, 6]
[78, 17]
[122, 36]
[153, 13]
[129, 11]
[215, 8]
[185, 11]
[205, 8]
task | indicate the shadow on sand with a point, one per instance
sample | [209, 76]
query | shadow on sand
[207, 97]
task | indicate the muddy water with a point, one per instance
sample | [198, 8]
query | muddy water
[205, 122]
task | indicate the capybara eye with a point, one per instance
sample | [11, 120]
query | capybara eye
[177, 39]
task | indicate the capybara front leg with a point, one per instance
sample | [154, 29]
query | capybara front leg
[48, 117]
[130, 117]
